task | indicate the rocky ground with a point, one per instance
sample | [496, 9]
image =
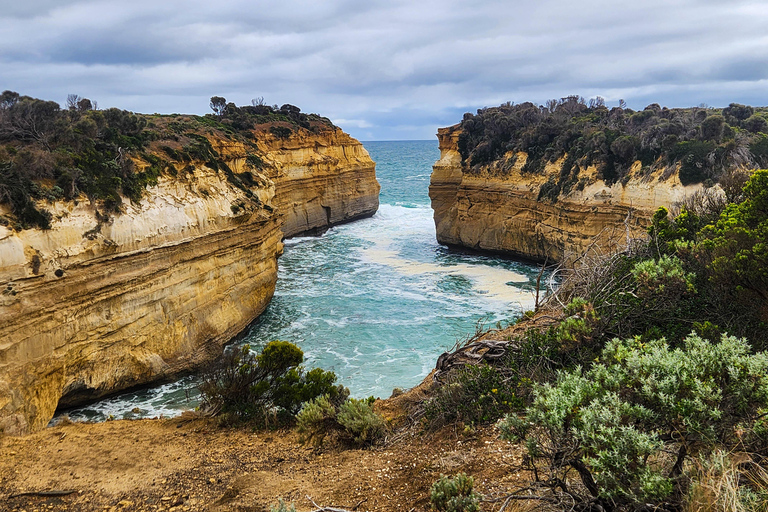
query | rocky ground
[190, 463]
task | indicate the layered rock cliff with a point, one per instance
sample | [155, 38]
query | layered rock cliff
[505, 212]
[321, 180]
[108, 300]
[92, 306]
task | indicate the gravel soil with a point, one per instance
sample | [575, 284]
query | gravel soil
[190, 463]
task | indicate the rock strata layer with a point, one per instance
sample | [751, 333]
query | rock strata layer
[501, 212]
[90, 307]
[96, 305]
[321, 180]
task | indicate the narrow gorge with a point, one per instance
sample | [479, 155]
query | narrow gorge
[103, 300]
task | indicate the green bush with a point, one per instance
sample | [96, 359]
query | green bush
[472, 394]
[281, 132]
[454, 494]
[354, 421]
[627, 425]
[282, 507]
[360, 421]
[316, 419]
[273, 384]
[704, 145]
[694, 157]
[737, 241]
[663, 277]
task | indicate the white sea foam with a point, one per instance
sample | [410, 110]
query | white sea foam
[376, 300]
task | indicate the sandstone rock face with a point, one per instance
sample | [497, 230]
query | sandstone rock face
[501, 212]
[94, 306]
[321, 180]
[89, 308]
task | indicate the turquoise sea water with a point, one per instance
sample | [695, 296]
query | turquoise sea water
[376, 300]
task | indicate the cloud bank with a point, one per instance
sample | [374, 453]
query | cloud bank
[394, 69]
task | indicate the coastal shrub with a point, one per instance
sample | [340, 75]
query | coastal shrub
[756, 124]
[316, 419]
[18, 190]
[243, 385]
[352, 420]
[360, 421]
[694, 158]
[282, 507]
[736, 243]
[454, 494]
[702, 142]
[281, 132]
[626, 426]
[663, 277]
[472, 394]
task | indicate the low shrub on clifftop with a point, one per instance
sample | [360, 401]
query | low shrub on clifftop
[269, 387]
[454, 494]
[352, 420]
[627, 427]
[703, 142]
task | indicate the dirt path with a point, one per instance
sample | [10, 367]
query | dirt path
[192, 465]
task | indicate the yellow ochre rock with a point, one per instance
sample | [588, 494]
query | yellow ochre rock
[501, 212]
[321, 180]
[96, 305]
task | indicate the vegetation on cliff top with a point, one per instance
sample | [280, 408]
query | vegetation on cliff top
[703, 142]
[654, 368]
[273, 388]
[48, 153]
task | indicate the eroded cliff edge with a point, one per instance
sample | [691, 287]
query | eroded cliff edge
[120, 292]
[320, 181]
[93, 307]
[503, 211]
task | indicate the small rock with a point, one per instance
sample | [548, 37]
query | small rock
[125, 503]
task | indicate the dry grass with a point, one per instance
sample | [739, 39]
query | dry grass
[727, 482]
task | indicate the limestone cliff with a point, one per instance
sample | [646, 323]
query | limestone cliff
[92, 306]
[503, 212]
[320, 180]
[107, 300]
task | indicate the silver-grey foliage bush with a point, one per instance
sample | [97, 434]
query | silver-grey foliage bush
[454, 494]
[626, 426]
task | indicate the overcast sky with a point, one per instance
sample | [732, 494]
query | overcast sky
[389, 69]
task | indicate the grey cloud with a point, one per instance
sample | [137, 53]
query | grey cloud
[749, 70]
[391, 67]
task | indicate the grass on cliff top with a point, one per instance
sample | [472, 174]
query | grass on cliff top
[48, 153]
[702, 143]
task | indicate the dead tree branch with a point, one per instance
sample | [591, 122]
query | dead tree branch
[328, 509]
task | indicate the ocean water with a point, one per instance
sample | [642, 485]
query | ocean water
[376, 300]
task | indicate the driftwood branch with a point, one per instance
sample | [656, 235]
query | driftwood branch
[42, 493]
[477, 352]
